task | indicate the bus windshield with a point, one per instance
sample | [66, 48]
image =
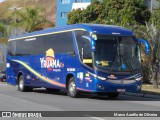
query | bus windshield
[117, 53]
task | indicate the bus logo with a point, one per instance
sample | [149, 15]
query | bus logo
[50, 62]
[122, 81]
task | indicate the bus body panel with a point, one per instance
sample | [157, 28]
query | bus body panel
[10, 79]
[44, 71]
[37, 74]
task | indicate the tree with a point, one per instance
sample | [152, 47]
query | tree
[3, 30]
[3, 33]
[117, 12]
[75, 16]
[31, 19]
[93, 14]
[154, 38]
[151, 32]
[155, 18]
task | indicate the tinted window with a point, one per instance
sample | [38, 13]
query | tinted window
[80, 40]
[31, 46]
[11, 48]
[60, 43]
[84, 46]
[86, 49]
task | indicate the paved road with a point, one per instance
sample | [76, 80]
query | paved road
[40, 100]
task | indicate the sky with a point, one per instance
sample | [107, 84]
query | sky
[2, 0]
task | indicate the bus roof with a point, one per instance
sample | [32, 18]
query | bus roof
[94, 28]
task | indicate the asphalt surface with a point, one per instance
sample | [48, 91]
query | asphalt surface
[41, 100]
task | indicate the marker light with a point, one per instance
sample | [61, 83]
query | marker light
[139, 79]
[96, 76]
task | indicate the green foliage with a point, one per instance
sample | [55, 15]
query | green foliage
[3, 30]
[49, 5]
[30, 18]
[153, 34]
[117, 12]
[150, 32]
[153, 28]
[75, 16]
[155, 18]
[93, 14]
[3, 33]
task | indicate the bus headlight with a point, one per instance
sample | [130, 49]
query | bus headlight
[139, 79]
[96, 76]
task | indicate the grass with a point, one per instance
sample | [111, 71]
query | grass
[148, 89]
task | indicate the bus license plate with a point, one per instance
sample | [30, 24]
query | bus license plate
[121, 90]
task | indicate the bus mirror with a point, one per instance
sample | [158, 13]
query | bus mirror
[146, 44]
[91, 41]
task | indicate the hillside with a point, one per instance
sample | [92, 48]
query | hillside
[49, 5]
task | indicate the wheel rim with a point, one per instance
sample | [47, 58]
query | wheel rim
[72, 88]
[21, 83]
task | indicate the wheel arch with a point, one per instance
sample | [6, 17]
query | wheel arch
[70, 75]
[19, 74]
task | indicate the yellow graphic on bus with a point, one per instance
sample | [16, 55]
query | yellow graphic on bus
[50, 53]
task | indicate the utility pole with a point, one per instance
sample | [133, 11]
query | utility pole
[151, 6]
[15, 17]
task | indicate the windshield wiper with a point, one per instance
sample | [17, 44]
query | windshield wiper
[116, 59]
[128, 63]
[122, 57]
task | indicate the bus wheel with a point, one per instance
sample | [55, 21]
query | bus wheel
[21, 84]
[72, 92]
[113, 95]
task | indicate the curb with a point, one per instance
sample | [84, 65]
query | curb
[142, 95]
[3, 83]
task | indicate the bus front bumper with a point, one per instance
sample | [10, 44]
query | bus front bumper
[118, 86]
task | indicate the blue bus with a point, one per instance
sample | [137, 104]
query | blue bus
[78, 58]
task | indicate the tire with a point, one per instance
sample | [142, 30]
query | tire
[72, 91]
[21, 85]
[113, 95]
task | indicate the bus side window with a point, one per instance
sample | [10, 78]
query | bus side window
[79, 39]
[12, 48]
[84, 47]
[9, 48]
[62, 43]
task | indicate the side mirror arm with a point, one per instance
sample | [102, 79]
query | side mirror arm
[92, 41]
[146, 44]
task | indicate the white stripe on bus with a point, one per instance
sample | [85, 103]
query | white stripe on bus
[20, 38]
